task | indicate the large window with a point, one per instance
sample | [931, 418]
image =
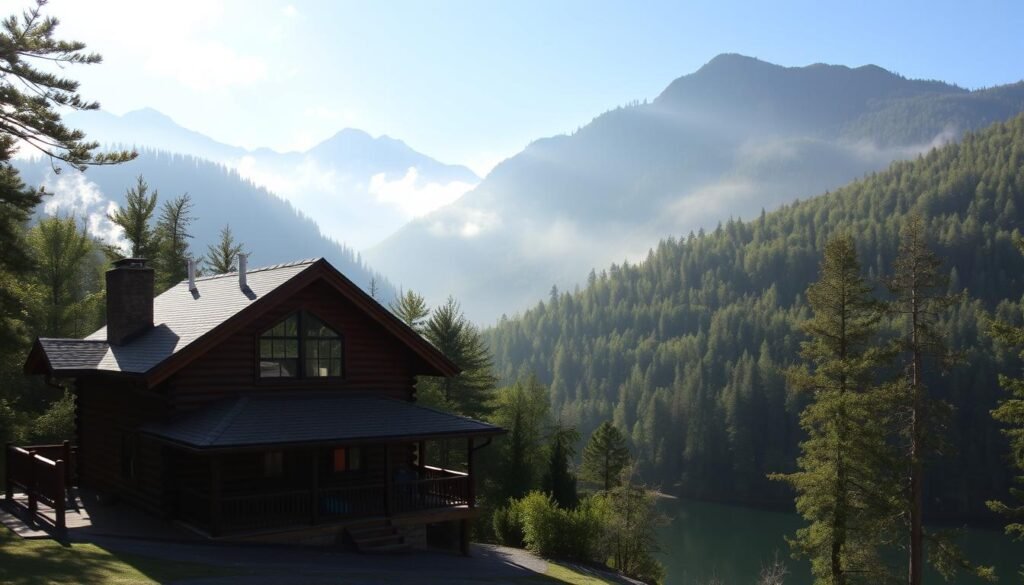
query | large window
[300, 346]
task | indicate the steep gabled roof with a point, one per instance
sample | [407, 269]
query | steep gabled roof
[308, 418]
[188, 323]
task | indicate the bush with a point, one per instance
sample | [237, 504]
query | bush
[508, 525]
[551, 531]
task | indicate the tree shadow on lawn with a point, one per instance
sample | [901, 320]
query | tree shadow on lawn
[44, 562]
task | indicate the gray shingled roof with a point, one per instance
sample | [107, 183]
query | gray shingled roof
[273, 419]
[179, 318]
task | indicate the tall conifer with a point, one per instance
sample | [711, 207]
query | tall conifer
[842, 484]
[919, 289]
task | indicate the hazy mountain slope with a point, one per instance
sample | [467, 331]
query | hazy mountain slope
[271, 228]
[734, 137]
[359, 188]
[685, 350]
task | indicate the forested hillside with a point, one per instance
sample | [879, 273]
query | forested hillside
[685, 350]
[737, 136]
[269, 226]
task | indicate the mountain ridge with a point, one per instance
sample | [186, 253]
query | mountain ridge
[695, 155]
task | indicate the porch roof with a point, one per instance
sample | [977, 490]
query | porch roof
[311, 418]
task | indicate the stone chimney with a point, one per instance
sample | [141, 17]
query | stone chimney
[243, 266]
[129, 299]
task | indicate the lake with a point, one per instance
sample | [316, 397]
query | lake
[732, 543]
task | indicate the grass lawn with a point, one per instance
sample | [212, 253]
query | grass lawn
[41, 562]
[572, 576]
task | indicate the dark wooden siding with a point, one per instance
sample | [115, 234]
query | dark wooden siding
[112, 456]
[374, 361]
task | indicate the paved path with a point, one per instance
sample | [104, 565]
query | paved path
[270, 564]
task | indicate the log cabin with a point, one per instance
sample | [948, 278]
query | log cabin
[275, 404]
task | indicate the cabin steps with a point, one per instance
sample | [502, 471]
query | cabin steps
[377, 537]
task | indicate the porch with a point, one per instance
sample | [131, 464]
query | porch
[244, 493]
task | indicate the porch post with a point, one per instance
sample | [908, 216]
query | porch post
[387, 480]
[470, 478]
[66, 448]
[32, 485]
[216, 488]
[8, 485]
[314, 488]
[421, 456]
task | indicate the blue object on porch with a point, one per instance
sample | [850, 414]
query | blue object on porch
[334, 505]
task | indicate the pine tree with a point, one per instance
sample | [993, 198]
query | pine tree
[134, 218]
[172, 253]
[222, 258]
[605, 456]
[29, 97]
[61, 248]
[1011, 412]
[559, 481]
[411, 309]
[843, 480]
[522, 410]
[29, 114]
[918, 286]
[468, 393]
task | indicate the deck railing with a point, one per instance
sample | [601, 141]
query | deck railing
[44, 473]
[280, 509]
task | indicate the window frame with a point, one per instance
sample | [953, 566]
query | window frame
[302, 317]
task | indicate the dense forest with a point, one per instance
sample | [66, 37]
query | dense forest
[686, 350]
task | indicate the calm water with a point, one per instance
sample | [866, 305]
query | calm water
[732, 543]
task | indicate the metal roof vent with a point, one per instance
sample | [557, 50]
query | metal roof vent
[243, 260]
[192, 275]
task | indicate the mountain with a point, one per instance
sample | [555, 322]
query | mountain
[685, 350]
[270, 227]
[737, 136]
[359, 188]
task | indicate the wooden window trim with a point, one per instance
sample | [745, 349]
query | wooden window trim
[303, 355]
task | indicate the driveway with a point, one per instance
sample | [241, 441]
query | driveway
[272, 564]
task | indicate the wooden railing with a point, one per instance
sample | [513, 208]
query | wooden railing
[33, 470]
[279, 509]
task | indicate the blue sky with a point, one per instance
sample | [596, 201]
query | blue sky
[472, 82]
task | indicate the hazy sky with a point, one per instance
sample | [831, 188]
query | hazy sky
[473, 82]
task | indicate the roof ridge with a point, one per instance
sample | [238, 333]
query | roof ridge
[258, 269]
[73, 339]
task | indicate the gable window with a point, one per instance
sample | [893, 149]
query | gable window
[300, 346]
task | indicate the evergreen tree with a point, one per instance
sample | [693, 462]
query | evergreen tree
[559, 481]
[468, 393]
[918, 287]
[222, 258]
[522, 410]
[605, 457]
[134, 218]
[29, 114]
[63, 306]
[172, 237]
[1011, 412]
[844, 485]
[29, 97]
[411, 309]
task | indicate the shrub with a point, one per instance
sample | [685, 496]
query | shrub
[508, 525]
[551, 531]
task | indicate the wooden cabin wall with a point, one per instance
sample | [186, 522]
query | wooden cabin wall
[108, 412]
[374, 361]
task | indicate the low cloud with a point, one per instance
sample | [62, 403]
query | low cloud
[463, 223]
[414, 197]
[70, 193]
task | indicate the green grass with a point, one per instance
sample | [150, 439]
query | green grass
[44, 562]
[572, 576]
